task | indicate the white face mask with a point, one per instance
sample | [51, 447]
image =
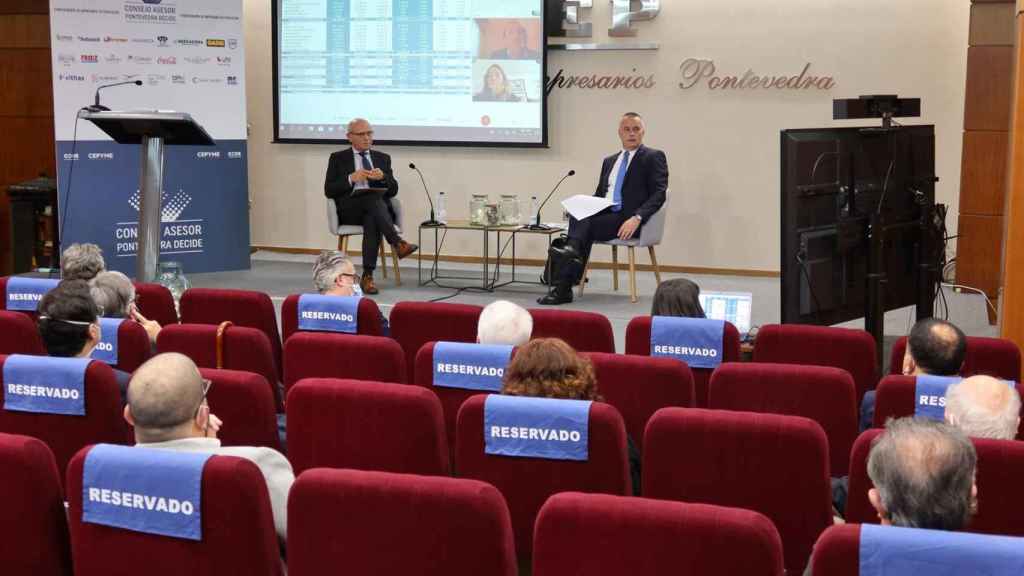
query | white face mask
[357, 290]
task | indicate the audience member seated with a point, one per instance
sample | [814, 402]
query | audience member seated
[335, 275]
[677, 297]
[82, 262]
[69, 324]
[503, 322]
[114, 294]
[923, 472]
[935, 347]
[167, 406]
[984, 407]
[550, 368]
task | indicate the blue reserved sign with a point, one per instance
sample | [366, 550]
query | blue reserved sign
[45, 385]
[895, 551]
[25, 293]
[536, 427]
[930, 395]
[470, 366]
[106, 349]
[696, 341]
[145, 490]
[320, 313]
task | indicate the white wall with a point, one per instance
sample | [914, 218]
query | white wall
[723, 148]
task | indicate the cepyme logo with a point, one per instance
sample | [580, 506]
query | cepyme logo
[207, 155]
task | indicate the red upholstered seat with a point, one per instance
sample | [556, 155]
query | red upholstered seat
[638, 387]
[638, 342]
[349, 356]
[65, 435]
[896, 399]
[246, 349]
[238, 530]
[837, 552]
[849, 349]
[33, 526]
[451, 398]
[155, 302]
[527, 482]
[990, 356]
[368, 322]
[241, 307]
[384, 523]
[1000, 468]
[597, 535]
[19, 334]
[413, 324]
[584, 331]
[133, 346]
[821, 393]
[245, 402]
[772, 464]
[364, 425]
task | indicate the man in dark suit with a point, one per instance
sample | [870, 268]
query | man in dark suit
[352, 174]
[636, 179]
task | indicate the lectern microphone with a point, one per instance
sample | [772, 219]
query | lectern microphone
[97, 107]
[536, 225]
[432, 223]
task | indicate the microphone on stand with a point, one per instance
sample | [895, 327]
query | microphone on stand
[97, 107]
[432, 223]
[536, 225]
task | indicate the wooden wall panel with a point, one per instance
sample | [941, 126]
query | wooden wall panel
[25, 31]
[989, 70]
[1012, 317]
[26, 103]
[983, 173]
[992, 24]
[26, 82]
[978, 252]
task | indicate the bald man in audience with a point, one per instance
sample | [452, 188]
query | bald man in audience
[167, 406]
[935, 347]
[923, 475]
[504, 322]
[984, 407]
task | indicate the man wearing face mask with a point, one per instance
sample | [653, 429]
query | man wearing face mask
[334, 275]
[69, 324]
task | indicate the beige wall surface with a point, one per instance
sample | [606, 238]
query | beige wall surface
[722, 146]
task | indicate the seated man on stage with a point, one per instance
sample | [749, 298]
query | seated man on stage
[636, 179]
[352, 176]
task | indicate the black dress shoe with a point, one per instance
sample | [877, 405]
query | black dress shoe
[555, 297]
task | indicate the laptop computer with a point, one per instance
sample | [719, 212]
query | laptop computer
[733, 307]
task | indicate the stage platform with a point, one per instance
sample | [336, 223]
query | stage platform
[280, 274]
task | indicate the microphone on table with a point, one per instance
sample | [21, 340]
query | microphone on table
[536, 225]
[97, 107]
[432, 223]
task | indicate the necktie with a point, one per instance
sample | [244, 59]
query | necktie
[617, 193]
[366, 160]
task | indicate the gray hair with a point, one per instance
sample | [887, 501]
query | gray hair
[924, 473]
[82, 262]
[503, 322]
[984, 407]
[113, 293]
[164, 394]
[355, 121]
[329, 265]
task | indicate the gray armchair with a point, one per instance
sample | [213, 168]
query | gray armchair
[650, 236]
[343, 231]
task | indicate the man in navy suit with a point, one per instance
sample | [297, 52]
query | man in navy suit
[636, 179]
[351, 173]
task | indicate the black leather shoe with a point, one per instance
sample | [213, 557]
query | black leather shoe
[555, 297]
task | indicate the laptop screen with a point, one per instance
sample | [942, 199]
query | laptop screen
[730, 306]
